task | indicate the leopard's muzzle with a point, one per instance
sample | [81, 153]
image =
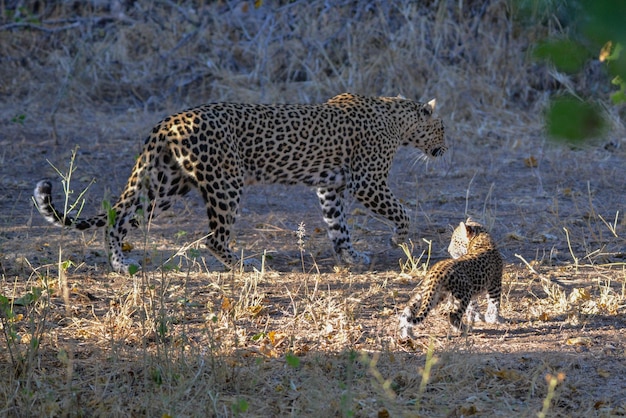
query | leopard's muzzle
[438, 152]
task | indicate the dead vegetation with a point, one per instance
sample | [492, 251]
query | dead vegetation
[301, 337]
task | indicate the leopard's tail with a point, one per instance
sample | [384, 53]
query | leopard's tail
[43, 202]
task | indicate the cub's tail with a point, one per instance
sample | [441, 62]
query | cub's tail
[43, 200]
[422, 302]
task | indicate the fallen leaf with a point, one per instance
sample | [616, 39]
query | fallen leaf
[516, 236]
[578, 341]
[383, 413]
[605, 52]
[227, 304]
[505, 374]
[468, 410]
[530, 162]
[255, 310]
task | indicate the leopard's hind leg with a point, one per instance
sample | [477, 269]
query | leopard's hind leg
[151, 189]
[222, 205]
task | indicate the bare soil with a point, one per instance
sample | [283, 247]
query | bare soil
[305, 337]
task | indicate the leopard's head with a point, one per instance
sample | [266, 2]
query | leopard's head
[421, 127]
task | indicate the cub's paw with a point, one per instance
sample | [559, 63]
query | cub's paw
[405, 328]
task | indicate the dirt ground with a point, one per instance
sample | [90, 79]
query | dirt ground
[528, 208]
[557, 213]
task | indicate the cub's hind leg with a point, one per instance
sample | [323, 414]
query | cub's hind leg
[493, 306]
[456, 316]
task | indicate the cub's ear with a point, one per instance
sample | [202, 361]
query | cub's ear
[470, 229]
[432, 105]
[472, 222]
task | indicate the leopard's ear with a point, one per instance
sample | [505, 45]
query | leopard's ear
[432, 104]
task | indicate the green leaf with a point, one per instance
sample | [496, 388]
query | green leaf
[133, 269]
[34, 343]
[292, 360]
[566, 55]
[618, 97]
[111, 213]
[170, 267]
[193, 253]
[240, 406]
[19, 119]
[66, 264]
[573, 120]
[614, 53]
[28, 298]
[5, 307]
[162, 327]
[157, 376]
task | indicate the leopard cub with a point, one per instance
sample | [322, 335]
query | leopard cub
[476, 267]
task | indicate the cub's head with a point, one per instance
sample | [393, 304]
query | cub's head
[462, 235]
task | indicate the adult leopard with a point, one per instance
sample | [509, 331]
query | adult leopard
[345, 144]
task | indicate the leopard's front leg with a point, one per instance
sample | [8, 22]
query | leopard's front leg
[378, 198]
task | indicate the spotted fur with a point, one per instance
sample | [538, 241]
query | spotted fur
[476, 268]
[344, 145]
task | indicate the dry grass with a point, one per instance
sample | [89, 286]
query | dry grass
[302, 338]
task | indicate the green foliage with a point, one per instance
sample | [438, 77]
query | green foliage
[19, 119]
[574, 120]
[240, 406]
[133, 269]
[21, 359]
[156, 375]
[565, 54]
[21, 15]
[292, 360]
[66, 264]
[111, 213]
[194, 253]
[595, 28]
[28, 299]
[161, 327]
